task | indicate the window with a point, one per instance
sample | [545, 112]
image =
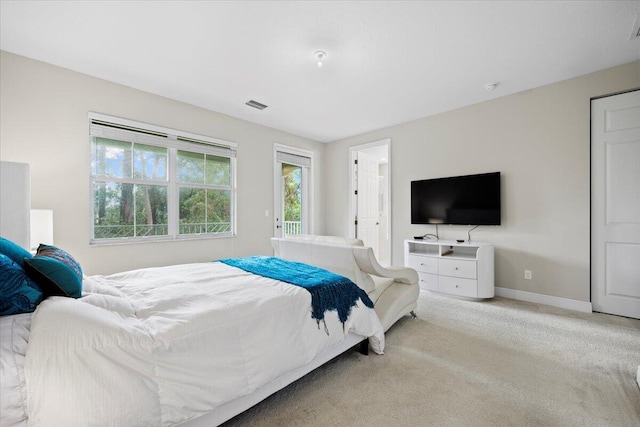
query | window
[151, 183]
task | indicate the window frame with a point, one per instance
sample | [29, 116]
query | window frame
[116, 128]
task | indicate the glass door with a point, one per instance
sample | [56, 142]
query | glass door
[292, 193]
[291, 199]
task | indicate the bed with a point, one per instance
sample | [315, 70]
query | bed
[190, 345]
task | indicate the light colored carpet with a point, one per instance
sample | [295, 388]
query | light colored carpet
[499, 362]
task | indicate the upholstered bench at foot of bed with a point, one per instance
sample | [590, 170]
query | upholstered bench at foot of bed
[394, 290]
[395, 300]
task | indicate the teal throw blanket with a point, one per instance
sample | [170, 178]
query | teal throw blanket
[329, 291]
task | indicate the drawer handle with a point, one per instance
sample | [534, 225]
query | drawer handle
[456, 286]
[456, 268]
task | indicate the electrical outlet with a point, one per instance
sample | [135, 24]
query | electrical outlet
[528, 275]
[266, 212]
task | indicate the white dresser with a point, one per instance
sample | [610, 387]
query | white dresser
[449, 267]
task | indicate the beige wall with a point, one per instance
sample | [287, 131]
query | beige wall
[43, 122]
[539, 140]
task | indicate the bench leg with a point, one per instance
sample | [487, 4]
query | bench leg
[364, 347]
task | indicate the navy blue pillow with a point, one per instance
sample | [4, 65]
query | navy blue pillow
[15, 252]
[18, 293]
[55, 271]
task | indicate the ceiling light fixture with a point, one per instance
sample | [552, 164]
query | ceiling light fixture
[320, 56]
[489, 87]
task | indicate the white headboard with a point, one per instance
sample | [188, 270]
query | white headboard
[15, 202]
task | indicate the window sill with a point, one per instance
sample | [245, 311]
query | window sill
[145, 240]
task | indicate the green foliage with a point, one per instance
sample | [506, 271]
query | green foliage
[127, 209]
[199, 205]
[292, 192]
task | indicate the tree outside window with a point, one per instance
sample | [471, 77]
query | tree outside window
[131, 183]
[292, 175]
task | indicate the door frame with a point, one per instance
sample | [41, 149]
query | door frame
[307, 196]
[353, 185]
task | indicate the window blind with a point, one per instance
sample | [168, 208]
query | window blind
[104, 129]
[293, 159]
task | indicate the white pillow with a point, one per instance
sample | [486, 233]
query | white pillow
[14, 336]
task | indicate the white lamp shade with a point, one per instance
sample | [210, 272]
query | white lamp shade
[41, 228]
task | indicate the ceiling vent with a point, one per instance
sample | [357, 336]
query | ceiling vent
[256, 104]
[636, 28]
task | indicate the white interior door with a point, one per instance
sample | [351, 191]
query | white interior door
[368, 212]
[370, 201]
[615, 204]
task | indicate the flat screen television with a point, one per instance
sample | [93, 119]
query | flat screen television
[462, 200]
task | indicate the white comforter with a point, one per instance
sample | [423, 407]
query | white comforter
[156, 347]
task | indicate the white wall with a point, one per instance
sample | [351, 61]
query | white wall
[539, 140]
[43, 122]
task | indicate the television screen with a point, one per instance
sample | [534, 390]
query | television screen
[462, 200]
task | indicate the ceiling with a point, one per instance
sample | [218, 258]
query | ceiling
[387, 62]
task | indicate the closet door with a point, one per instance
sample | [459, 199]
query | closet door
[615, 204]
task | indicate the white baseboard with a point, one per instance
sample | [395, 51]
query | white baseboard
[567, 303]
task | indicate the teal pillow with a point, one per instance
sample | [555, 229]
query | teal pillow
[62, 256]
[18, 293]
[14, 251]
[57, 273]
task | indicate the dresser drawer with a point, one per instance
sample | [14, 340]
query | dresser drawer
[423, 264]
[458, 268]
[428, 282]
[456, 286]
